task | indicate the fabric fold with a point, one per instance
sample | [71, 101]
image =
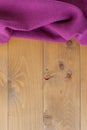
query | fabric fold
[50, 20]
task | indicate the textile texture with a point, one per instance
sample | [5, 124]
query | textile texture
[51, 20]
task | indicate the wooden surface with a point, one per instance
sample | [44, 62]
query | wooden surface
[43, 85]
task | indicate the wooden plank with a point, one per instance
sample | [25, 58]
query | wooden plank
[3, 87]
[62, 86]
[83, 87]
[25, 84]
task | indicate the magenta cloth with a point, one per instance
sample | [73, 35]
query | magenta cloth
[51, 20]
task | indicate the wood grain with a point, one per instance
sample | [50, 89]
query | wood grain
[3, 87]
[83, 87]
[62, 86]
[25, 85]
[43, 85]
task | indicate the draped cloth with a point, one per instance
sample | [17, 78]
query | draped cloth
[51, 20]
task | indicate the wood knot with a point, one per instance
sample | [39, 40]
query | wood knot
[47, 119]
[69, 44]
[49, 74]
[69, 75]
[61, 66]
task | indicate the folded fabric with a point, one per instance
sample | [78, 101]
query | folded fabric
[51, 20]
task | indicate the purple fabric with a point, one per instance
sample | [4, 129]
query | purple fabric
[51, 20]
